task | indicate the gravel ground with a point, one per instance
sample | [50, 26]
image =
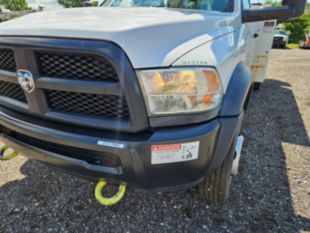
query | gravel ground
[272, 193]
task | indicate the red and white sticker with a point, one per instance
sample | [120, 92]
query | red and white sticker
[174, 153]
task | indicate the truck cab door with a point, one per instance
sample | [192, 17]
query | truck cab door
[263, 37]
[259, 43]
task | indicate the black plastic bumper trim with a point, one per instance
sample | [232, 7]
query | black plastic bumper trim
[56, 159]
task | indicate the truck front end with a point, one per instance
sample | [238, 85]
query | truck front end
[85, 109]
[149, 97]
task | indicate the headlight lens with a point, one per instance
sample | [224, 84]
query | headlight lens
[179, 91]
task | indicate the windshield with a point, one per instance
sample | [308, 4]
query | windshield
[209, 5]
[283, 33]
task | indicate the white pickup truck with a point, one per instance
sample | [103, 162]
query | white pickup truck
[144, 93]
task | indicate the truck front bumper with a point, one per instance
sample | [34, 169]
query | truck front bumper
[123, 160]
[278, 44]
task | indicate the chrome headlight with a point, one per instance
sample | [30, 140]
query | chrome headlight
[180, 91]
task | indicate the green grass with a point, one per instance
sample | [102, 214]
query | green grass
[293, 46]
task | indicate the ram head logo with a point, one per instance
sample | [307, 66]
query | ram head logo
[25, 80]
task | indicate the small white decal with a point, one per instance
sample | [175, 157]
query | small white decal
[174, 153]
[111, 144]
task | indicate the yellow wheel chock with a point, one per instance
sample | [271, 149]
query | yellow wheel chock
[107, 201]
[9, 156]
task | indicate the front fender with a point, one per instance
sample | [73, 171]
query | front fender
[237, 91]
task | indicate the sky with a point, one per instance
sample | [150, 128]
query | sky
[53, 4]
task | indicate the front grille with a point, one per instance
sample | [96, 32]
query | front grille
[7, 60]
[76, 67]
[108, 106]
[278, 39]
[79, 85]
[12, 91]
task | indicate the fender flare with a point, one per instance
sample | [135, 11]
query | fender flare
[237, 91]
[232, 112]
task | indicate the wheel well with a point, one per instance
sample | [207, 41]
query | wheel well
[248, 97]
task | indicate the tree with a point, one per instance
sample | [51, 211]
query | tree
[15, 5]
[298, 28]
[272, 3]
[72, 3]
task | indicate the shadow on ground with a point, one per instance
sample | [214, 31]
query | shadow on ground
[261, 199]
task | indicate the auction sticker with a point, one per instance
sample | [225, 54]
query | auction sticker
[174, 153]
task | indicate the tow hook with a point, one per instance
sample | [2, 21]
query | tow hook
[108, 201]
[238, 149]
[7, 153]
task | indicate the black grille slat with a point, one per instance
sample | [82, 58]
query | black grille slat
[76, 67]
[108, 106]
[7, 60]
[13, 91]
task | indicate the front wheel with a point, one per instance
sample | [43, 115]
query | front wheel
[215, 188]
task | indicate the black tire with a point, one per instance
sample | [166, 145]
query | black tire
[256, 86]
[215, 188]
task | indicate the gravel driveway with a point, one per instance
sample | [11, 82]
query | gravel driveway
[272, 193]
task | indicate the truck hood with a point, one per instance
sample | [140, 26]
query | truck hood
[151, 37]
[279, 35]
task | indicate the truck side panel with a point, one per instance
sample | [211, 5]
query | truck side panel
[260, 37]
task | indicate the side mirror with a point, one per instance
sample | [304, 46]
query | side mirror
[289, 9]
